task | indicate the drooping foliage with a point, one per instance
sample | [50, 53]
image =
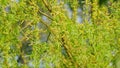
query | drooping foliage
[59, 34]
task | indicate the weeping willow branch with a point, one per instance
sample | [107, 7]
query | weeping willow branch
[63, 44]
[45, 15]
[46, 5]
[48, 37]
[69, 53]
[52, 32]
[62, 41]
[39, 11]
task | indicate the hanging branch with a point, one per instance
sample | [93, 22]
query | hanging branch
[63, 44]
[48, 36]
[62, 39]
[69, 53]
[45, 14]
[48, 29]
[39, 11]
[46, 5]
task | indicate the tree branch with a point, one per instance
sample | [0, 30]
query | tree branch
[69, 53]
[46, 5]
[45, 14]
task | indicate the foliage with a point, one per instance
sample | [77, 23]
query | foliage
[41, 34]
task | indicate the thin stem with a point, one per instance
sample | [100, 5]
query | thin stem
[46, 5]
[48, 36]
[69, 53]
[45, 14]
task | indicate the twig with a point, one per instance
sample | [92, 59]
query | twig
[45, 14]
[48, 36]
[46, 5]
[69, 53]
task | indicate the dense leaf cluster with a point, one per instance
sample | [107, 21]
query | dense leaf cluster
[59, 34]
